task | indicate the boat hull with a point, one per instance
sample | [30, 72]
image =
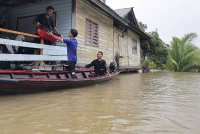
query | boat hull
[29, 85]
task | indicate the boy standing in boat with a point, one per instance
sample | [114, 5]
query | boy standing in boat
[72, 45]
[99, 65]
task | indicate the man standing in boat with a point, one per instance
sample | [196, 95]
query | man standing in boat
[72, 45]
[99, 65]
[47, 22]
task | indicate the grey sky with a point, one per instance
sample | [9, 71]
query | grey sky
[170, 17]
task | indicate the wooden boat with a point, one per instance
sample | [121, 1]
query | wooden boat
[12, 82]
[30, 81]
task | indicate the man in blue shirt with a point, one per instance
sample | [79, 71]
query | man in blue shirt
[72, 45]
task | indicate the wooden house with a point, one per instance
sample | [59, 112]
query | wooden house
[114, 32]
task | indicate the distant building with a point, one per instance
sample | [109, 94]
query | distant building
[116, 33]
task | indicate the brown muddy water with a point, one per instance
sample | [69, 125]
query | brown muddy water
[154, 103]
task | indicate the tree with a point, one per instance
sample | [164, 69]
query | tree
[159, 51]
[142, 26]
[183, 55]
[158, 55]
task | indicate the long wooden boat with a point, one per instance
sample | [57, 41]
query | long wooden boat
[12, 82]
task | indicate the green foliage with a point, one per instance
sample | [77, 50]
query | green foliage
[149, 64]
[197, 60]
[158, 56]
[183, 55]
[142, 26]
[159, 51]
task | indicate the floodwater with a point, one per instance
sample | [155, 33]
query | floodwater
[153, 103]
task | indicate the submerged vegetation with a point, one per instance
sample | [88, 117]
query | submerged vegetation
[180, 56]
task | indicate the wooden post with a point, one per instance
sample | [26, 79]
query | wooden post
[41, 52]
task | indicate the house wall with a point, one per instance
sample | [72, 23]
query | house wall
[108, 35]
[121, 47]
[88, 53]
[4, 16]
[63, 13]
[108, 38]
[127, 58]
[134, 59]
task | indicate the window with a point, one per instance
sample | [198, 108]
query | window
[92, 30]
[120, 43]
[134, 46]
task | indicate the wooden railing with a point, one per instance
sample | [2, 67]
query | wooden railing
[18, 33]
[47, 52]
[24, 34]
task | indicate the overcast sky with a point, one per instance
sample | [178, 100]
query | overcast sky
[170, 17]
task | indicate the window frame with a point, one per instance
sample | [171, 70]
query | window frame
[90, 43]
[134, 46]
[120, 44]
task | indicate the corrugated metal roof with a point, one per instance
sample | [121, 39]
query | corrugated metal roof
[123, 12]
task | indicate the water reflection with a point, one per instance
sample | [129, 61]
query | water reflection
[136, 104]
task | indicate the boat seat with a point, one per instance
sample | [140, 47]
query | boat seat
[92, 75]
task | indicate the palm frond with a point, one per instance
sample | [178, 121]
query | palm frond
[188, 38]
[183, 54]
